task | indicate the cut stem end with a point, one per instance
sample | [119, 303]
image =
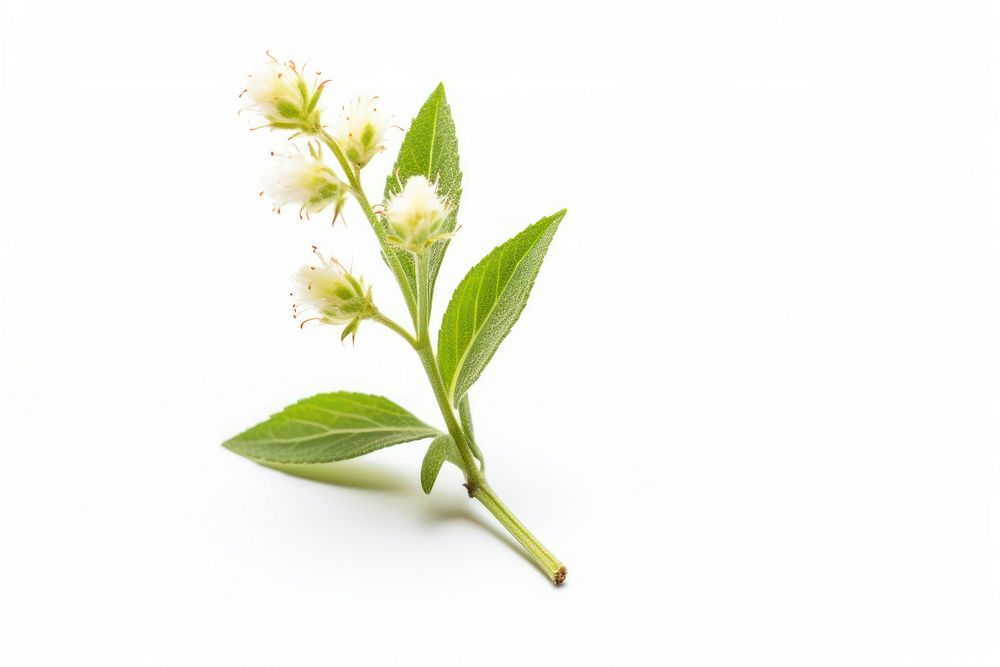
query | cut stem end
[542, 557]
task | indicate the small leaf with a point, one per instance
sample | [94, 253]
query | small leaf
[442, 448]
[430, 149]
[330, 427]
[487, 303]
[465, 414]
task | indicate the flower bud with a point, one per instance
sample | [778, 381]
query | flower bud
[279, 93]
[331, 295]
[416, 215]
[305, 180]
[359, 130]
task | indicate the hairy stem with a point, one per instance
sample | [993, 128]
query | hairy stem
[393, 326]
[473, 477]
[548, 563]
[423, 295]
[352, 175]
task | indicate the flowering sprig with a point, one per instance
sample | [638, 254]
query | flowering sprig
[411, 226]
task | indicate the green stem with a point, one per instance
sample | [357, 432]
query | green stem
[391, 324]
[473, 477]
[338, 153]
[421, 262]
[426, 353]
[549, 564]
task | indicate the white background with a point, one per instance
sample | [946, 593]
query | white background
[752, 403]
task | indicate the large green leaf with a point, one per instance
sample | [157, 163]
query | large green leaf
[487, 303]
[430, 149]
[330, 427]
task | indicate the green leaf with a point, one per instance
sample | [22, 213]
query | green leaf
[330, 427]
[442, 448]
[430, 149]
[465, 414]
[487, 303]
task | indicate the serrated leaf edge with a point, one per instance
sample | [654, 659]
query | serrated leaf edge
[553, 221]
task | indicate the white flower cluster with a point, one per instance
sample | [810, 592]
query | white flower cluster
[287, 101]
[359, 130]
[329, 294]
[416, 215]
[281, 95]
[296, 178]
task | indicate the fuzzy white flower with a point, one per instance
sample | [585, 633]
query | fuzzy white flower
[359, 130]
[297, 178]
[416, 215]
[329, 294]
[281, 95]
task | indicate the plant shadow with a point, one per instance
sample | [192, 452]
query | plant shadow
[367, 477]
[348, 474]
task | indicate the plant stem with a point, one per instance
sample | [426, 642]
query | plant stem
[473, 477]
[549, 564]
[420, 263]
[338, 153]
[391, 324]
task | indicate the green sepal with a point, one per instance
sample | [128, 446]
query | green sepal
[314, 100]
[367, 135]
[350, 329]
[288, 110]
